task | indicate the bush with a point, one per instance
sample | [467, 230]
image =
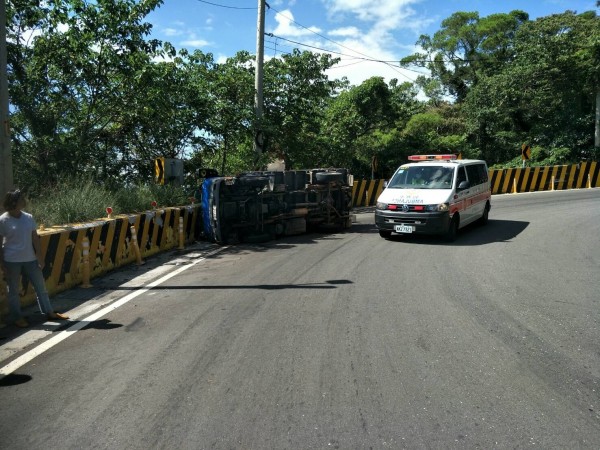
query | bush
[70, 202]
[75, 201]
[139, 198]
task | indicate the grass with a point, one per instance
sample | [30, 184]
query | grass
[77, 201]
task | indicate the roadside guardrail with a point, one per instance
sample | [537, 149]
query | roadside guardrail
[110, 244]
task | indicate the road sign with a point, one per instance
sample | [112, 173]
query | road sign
[525, 152]
[159, 170]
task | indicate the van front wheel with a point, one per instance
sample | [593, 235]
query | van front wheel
[452, 229]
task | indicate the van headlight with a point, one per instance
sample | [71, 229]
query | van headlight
[440, 208]
[381, 205]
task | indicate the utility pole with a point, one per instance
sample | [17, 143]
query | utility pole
[258, 80]
[597, 122]
[6, 169]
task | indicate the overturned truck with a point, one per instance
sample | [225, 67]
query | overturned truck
[260, 206]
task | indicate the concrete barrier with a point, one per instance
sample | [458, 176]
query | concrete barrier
[547, 178]
[110, 246]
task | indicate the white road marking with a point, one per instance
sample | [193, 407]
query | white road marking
[47, 345]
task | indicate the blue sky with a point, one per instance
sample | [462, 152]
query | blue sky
[384, 30]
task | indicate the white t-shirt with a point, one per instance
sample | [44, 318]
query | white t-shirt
[16, 237]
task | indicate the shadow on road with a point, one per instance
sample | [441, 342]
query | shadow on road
[103, 324]
[330, 284]
[494, 231]
[14, 379]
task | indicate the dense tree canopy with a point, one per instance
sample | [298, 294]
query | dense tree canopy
[467, 48]
[91, 94]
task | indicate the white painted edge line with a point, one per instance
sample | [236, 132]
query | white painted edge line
[82, 323]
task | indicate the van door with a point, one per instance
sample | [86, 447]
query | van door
[477, 199]
[462, 198]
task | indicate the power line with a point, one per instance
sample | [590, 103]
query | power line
[366, 57]
[340, 45]
[391, 64]
[278, 49]
[224, 6]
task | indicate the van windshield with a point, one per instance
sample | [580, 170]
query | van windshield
[422, 177]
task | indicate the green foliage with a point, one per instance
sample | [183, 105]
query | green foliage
[139, 198]
[466, 48]
[366, 121]
[73, 87]
[545, 95]
[78, 200]
[72, 201]
[540, 157]
[297, 92]
[91, 95]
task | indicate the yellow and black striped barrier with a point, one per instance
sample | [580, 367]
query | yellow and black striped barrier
[110, 246]
[365, 192]
[548, 178]
[506, 181]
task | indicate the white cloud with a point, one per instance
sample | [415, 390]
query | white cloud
[172, 32]
[370, 59]
[372, 10]
[383, 15]
[287, 27]
[370, 44]
[345, 32]
[195, 43]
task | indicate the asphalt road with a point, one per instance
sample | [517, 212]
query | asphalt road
[342, 340]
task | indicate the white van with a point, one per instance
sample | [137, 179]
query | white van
[435, 194]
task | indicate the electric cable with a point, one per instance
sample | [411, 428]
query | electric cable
[225, 6]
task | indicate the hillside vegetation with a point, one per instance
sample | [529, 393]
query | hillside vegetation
[91, 95]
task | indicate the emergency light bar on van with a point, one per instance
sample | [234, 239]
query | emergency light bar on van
[430, 157]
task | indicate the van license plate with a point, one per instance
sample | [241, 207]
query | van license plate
[403, 229]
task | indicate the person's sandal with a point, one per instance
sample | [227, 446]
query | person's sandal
[57, 316]
[21, 323]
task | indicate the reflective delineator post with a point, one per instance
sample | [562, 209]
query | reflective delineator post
[85, 268]
[514, 185]
[552, 182]
[109, 212]
[136, 247]
[589, 182]
[181, 247]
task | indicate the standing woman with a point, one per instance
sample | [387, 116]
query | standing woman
[20, 252]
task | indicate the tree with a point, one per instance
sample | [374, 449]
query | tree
[365, 122]
[466, 48]
[546, 96]
[296, 93]
[72, 66]
[230, 87]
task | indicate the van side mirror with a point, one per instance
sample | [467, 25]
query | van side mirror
[464, 185]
